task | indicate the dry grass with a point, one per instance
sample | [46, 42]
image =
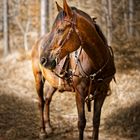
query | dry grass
[19, 117]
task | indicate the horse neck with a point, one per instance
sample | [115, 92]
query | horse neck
[93, 45]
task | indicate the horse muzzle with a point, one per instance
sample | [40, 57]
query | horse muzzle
[50, 64]
[53, 63]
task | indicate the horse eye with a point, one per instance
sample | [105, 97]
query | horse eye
[60, 30]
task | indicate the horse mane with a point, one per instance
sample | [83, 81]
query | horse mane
[93, 22]
[99, 31]
[59, 18]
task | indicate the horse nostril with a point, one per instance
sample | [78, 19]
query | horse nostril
[43, 60]
[53, 64]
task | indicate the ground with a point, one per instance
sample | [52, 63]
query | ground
[19, 115]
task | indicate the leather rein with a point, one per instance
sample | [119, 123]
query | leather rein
[72, 29]
[71, 73]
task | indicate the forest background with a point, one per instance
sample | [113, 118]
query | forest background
[22, 22]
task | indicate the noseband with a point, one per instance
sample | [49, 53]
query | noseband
[91, 77]
[73, 28]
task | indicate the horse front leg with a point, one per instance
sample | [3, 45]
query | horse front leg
[98, 102]
[80, 101]
[39, 88]
[49, 93]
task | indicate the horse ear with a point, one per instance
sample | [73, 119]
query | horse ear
[67, 9]
[59, 8]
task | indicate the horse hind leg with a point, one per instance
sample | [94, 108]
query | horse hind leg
[49, 93]
[39, 87]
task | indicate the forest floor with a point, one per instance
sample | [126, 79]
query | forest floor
[19, 115]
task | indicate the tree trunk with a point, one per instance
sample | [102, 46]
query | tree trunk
[47, 16]
[107, 19]
[103, 16]
[43, 16]
[6, 27]
[125, 17]
[50, 13]
[131, 13]
[109, 22]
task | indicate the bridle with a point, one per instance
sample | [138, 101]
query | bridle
[91, 77]
[73, 28]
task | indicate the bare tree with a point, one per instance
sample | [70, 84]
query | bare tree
[48, 3]
[109, 21]
[24, 28]
[124, 4]
[131, 13]
[6, 27]
[107, 18]
[51, 13]
[43, 16]
[104, 12]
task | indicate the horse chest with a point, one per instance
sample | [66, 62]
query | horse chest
[54, 81]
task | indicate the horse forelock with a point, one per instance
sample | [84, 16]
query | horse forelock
[59, 18]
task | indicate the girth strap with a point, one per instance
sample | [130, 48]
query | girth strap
[88, 101]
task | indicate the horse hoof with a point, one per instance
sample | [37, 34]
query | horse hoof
[49, 130]
[42, 135]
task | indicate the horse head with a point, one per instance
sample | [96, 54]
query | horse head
[62, 39]
[73, 28]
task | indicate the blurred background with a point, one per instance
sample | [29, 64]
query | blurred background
[22, 22]
[119, 20]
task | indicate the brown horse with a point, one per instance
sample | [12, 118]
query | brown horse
[74, 56]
